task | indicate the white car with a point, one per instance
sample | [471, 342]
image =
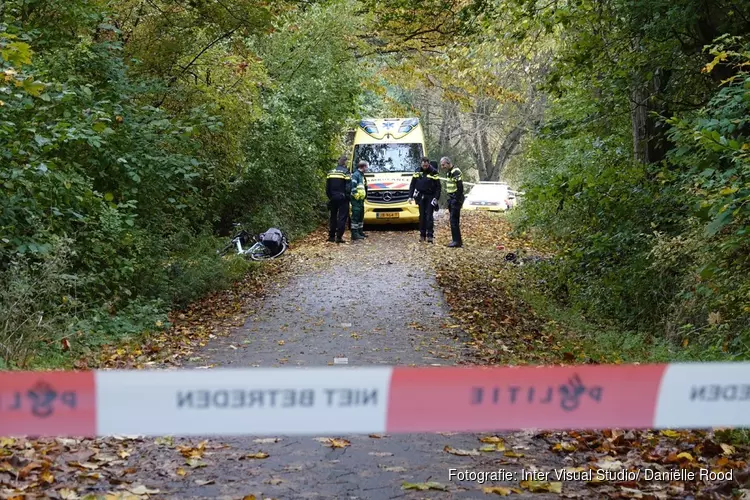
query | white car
[492, 196]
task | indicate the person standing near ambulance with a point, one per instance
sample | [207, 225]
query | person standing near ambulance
[338, 190]
[425, 191]
[359, 193]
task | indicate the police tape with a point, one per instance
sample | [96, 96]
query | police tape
[315, 401]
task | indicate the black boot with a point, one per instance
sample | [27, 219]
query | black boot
[421, 239]
[454, 244]
[331, 238]
[429, 239]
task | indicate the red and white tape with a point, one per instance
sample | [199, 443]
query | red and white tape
[314, 401]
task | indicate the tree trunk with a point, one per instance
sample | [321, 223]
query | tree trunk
[510, 143]
[650, 143]
[638, 116]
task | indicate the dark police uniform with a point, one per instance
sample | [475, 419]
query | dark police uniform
[454, 187]
[426, 183]
[338, 190]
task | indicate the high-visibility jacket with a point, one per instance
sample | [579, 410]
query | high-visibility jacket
[454, 185]
[359, 186]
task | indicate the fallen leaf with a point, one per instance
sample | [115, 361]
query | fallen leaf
[339, 443]
[333, 442]
[424, 486]
[47, 477]
[68, 494]
[203, 482]
[493, 447]
[281, 342]
[497, 490]
[542, 486]
[565, 446]
[23, 473]
[195, 463]
[141, 490]
[259, 455]
[728, 449]
[181, 472]
[461, 453]
[670, 434]
[492, 439]
[513, 454]
[380, 454]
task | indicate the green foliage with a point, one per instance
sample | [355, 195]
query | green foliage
[658, 246]
[133, 134]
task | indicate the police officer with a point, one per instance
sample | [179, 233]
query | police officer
[425, 190]
[338, 190]
[359, 193]
[454, 187]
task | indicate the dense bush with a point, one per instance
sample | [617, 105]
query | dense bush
[660, 247]
[112, 149]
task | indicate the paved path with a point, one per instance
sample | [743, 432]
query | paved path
[376, 303]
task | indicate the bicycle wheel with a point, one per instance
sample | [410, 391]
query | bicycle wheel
[284, 247]
[259, 252]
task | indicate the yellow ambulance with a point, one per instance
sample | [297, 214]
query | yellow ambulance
[394, 148]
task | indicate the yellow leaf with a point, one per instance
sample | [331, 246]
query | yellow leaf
[564, 447]
[491, 439]
[493, 447]
[542, 486]
[339, 443]
[497, 490]
[6, 442]
[728, 449]
[710, 66]
[259, 455]
[424, 486]
[47, 477]
[181, 472]
[513, 454]
[281, 342]
[670, 434]
[687, 456]
[460, 453]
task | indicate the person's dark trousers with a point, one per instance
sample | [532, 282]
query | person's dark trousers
[454, 207]
[337, 221]
[426, 219]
